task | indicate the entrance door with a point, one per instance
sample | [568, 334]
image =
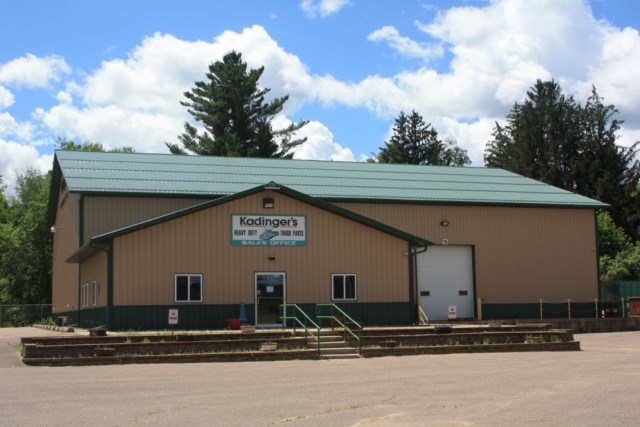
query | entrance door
[445, 278]
[270, 292]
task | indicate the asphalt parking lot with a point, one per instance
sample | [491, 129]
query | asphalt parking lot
[597, 386]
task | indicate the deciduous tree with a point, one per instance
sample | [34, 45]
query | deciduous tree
[25, 260]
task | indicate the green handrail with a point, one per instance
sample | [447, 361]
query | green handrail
[293, 315]
[341, 320]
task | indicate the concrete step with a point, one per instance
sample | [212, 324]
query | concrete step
[344, 350]
[339, 356]
[332, 345]
[335, 349]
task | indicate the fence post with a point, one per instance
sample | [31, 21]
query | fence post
[479, 306]
[596, 307]
[541, 309]
[569, 307]
[623, 316]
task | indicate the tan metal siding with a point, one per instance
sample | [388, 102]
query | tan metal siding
[521, 254]
[95, 268]
[145, 261]
[64, 295]
[103, 214]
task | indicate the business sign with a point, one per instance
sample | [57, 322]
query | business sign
[268, 230]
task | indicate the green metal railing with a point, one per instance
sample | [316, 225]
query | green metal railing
[335, 315]
[293, 312]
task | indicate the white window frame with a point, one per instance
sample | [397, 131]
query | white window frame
[344, 286]
[84, 295]
[95, 293]
[175, 288]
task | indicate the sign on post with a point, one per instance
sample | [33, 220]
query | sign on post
[173, 316]
[453, 312]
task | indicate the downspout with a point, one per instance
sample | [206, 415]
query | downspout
[109, 254]
[414, 260]
[597, 250]
[80, 241]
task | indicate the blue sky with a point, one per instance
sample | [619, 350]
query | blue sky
[114, 71]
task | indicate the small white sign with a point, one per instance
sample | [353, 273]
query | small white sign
[453, 312]
[173, 316]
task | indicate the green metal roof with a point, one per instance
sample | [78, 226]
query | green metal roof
[208, 176]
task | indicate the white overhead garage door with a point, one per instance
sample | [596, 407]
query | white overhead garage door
[445, 278]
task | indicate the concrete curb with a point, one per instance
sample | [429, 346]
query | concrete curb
[55, 328]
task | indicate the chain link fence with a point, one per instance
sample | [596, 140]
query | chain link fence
[23, 314]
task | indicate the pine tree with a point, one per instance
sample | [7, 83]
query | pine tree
[235, 117]
[541, 138]
[551, 138]
[415, 142]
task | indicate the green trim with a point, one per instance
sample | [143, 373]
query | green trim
[473, 284]
[412, 284]
[531, 311]
[465, 203]
[54, 192]
[597, 249]
[321, 204]
[190, 317]
[373, 314]
[81, 221]
[93, 317]
[203, 317]
[177, 214]
[415, 241]
[109, 311]
[510, 311]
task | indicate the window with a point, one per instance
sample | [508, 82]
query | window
[188, 287]
[343, 286]
[84, 295]
[95, 292]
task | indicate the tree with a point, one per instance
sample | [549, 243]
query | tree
[541, 138]
[625, 265]
[25, 259]
[611, 238]
[235, 116]
[90, 146]
[551, 138]
[415, 142]
[605, 170]
[6, 244]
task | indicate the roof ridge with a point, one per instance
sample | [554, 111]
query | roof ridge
[212, 176]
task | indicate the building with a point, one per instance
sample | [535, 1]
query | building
[138, 235]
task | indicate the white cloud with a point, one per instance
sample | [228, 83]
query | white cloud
[322, 7]
[627, 137]
[615, 72]
[135, 102]
[406, 46]
[10, 127]
[31, 71]
[16, 159]
[320, 144]
[6, 98]
[497, 51]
